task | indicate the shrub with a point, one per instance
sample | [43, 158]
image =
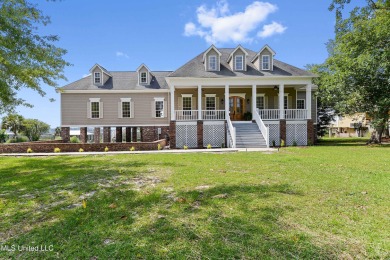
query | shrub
[273, 143]
[81, 150]
[74, 139]
[18, 139]
[185, 147]
[106, 149]
[222, 145]
[159, 147]
[3, 136]
[282, 143]
[57, 150]
[294, 143]
[209, 146]
[29, 150]
[132, 149]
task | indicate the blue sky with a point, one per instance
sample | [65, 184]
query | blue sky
[120, 35]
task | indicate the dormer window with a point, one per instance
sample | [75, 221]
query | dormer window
[212, 62]
[144, 78]
[265, 62]
[97, 78]
[239, 62]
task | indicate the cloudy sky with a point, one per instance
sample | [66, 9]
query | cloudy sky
[120, 35]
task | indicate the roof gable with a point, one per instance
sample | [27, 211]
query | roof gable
[143, 66]
[261, 50]
[100, 67]
[212, 47]
[239, 47]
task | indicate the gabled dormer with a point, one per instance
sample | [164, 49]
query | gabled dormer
[237, 59]
[212, 59]
[144, 75]
[99, 75]
[264, 59]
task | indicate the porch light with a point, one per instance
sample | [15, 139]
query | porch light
[276, 88]
[222, 100]
[248, 101]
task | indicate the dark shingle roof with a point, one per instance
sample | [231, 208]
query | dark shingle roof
[195, 68]
[121, 80]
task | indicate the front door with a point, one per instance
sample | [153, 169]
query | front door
[236, 108]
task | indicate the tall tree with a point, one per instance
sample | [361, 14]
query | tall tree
[13, 122]
[27, 59]
[33, 129]
[358, 68]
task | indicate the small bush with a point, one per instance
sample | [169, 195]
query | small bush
[81, 150]
[222, 145]
[57, 150]
[29, 150]
[294, 143]
[185, 147]
[106, 149]
[132, 149]
[159, 147]
[209, 146]
[74, 140]
[282, 143]
[19, 139]
[273, 143]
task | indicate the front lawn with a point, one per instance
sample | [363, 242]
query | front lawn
[316, 202]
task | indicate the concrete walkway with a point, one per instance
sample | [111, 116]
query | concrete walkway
[174, 151]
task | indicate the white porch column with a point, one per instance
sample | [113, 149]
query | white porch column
[173, 114]
[281, 101]
[199, 102]
[254, 93]
[308, 101]
[227, 101]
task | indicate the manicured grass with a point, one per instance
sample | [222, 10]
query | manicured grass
[319, 202]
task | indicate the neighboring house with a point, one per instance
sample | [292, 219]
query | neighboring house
[203, 102]
[356, 125]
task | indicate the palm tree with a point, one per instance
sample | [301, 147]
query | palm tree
[13, 122]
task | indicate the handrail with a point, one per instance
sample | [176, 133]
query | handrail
[264, 130]
[231, 133]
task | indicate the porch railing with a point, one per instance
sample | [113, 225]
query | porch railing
[269, 113]
[295, 113]
[186, 115]
[213, 114]
[231, 134]
[274, 114]
[264, 130]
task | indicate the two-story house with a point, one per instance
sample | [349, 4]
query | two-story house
[232, 97]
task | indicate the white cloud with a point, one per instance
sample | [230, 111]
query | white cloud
[86, 75]
[271, 29]
[121, 54]
[217, 24]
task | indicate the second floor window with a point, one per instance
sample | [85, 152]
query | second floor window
[143, 77]
[239, 62]
[265, 62]
[97, 78]
[126, 113]
[95, 109]
[212, 62]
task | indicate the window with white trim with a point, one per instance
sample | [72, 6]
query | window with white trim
[187, 104]
[159, 107]
[97, 78]
[210, 103]
[212, 62]
[125, 108]
[300, 104]
[143, 77]
[260, 102]
[239, 62]
[265, 62]
[95, 110]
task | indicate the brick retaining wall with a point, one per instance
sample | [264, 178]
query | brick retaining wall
[48, 147]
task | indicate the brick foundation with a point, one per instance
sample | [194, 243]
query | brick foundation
[83, 135]
[150, 133]
[65, 134]
[134, 135]
[96, 133]
[118, 134]
[310, 132]
[128, 134]
[200, 134]
[283, 130]
[48, 147]
[172, 136]
[106, 134]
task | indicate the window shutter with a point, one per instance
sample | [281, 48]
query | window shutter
[179, 103]
[217, 103]
[88, 109]
[203, 103]
[120, 115]
[165, 109]
[289, 105]
[193, 103]
[153, 109]
[132, 109]
[276, 102]
[100, 109]
[265, 102]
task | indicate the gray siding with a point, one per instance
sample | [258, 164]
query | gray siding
[74, 109]
[266, 52]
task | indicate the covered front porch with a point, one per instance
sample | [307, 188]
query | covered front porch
[271, 102]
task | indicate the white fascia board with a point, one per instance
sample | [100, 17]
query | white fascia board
[232, 53]
[114, 91]
[209, 49]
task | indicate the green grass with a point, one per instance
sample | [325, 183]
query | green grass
[321, 202]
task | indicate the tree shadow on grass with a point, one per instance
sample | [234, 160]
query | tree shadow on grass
[223, 222]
